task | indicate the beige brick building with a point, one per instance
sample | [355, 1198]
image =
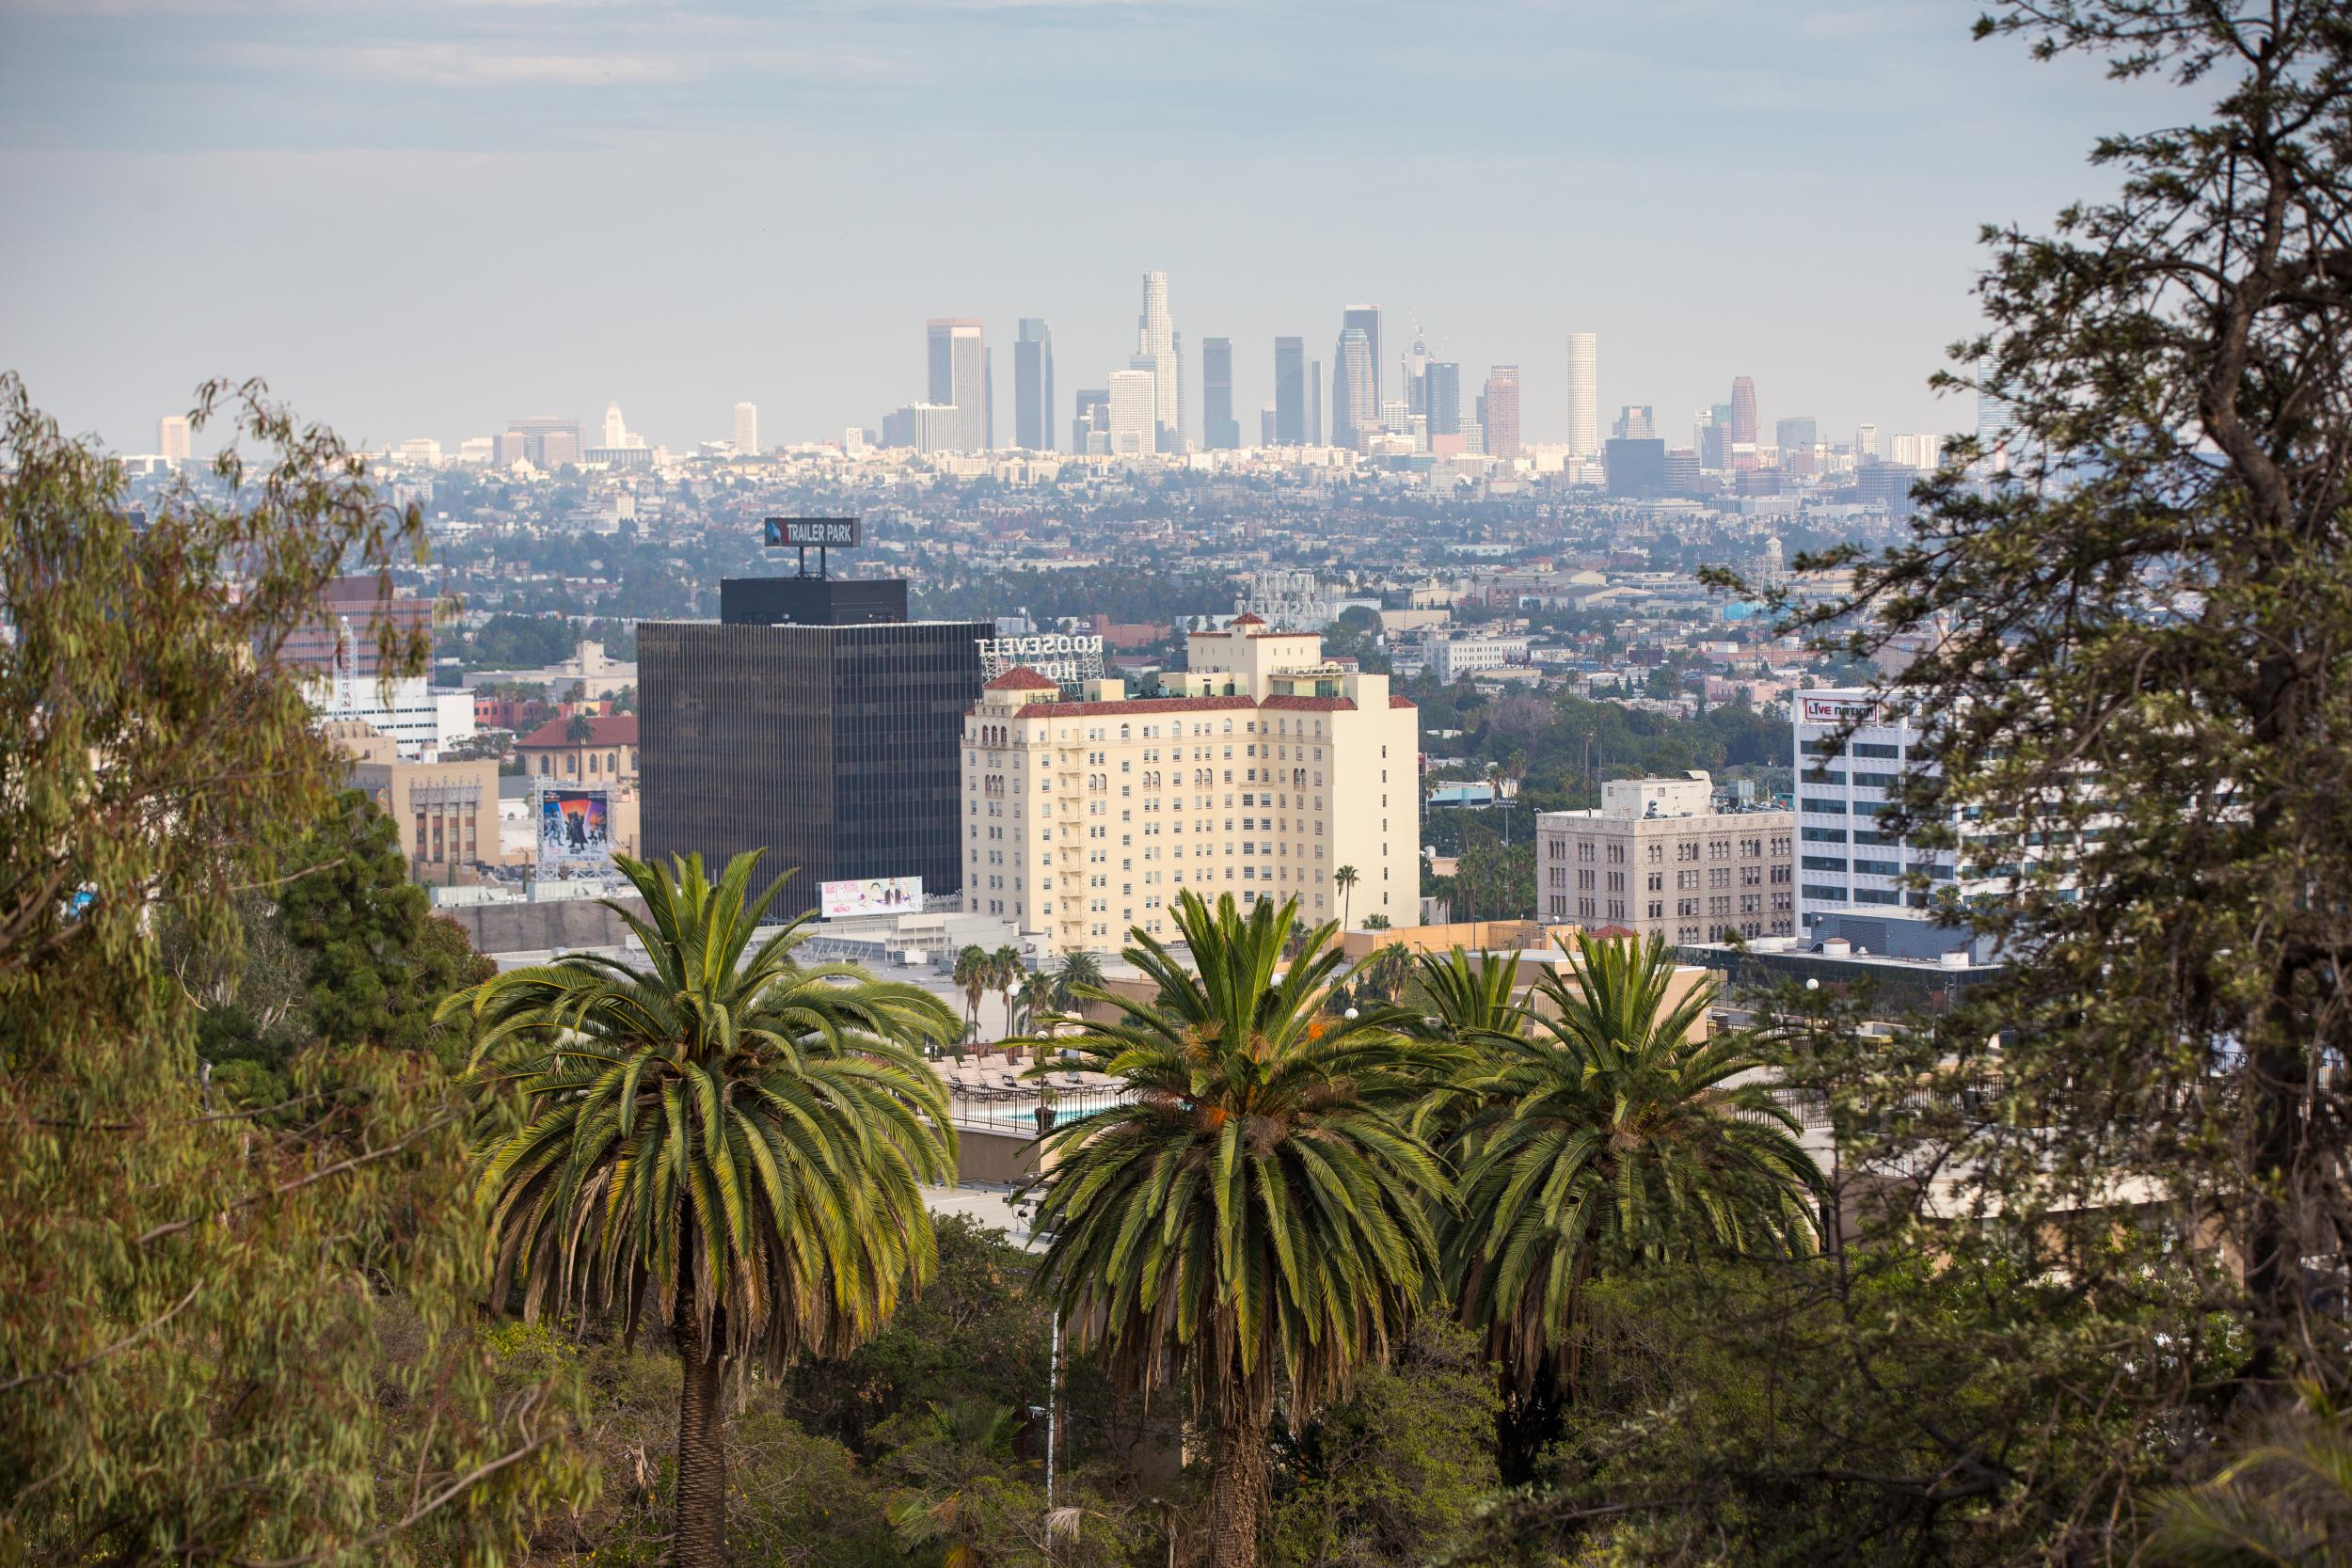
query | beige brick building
[1262, 772]
[1659, 860]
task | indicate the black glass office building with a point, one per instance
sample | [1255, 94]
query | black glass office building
[833, 746]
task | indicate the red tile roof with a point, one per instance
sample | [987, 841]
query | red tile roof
[1022, 678]
[1399, 702]
[605, 729]
[1145, 706]
[1312, 704]
[1245, 619]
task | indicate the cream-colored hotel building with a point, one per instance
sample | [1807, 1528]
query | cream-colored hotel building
[1262, 772]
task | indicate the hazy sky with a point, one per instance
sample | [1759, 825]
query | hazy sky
[424, 217]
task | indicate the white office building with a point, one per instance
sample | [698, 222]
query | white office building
[1134, 413]
[1848, 865]
[1658, 858]
[1583, 395]
[747, 430]
[1451, 659]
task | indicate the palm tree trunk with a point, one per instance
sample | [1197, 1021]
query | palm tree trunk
[701, 1538]
[1236, 1493]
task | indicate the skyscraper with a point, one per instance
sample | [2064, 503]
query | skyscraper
[1367, 319]
[1355, 390]
[747, 430]
[1502, 412]
[1636, 421]
[1441, 397]
[171, 438]
[1865, 443]
[958, 360]
[1290, 392]
[616, 427]
[1091, 428]
[1743, 409]
[1583, 394]
[1157, 351]
[1133, 404]
[1416, 372]
[1219, 430]
[1314, 403]
[1033, 387]
[1797, 433]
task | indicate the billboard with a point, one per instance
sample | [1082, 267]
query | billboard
[870, 895]
[575, 827]
[809, 533]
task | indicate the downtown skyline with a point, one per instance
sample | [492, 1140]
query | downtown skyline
[439, 182]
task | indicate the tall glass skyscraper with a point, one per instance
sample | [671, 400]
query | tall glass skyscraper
[1355, 388]
[1442, 394]
[1364, 319]
[1033, 386]
[1290, 392]
[1219, 430]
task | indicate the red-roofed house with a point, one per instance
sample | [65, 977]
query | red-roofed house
[583, 750]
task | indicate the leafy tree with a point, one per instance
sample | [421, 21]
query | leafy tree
[378, 960]
[1396, 1471]
[734, 1140]
[1604, 1135]
[2132, 724]
[1254, 1213]
[188, 1374]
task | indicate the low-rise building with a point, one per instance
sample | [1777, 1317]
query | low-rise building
[1260, 773]
[1658, 858]
[447, 812]
[1450, 658]
[582, 750]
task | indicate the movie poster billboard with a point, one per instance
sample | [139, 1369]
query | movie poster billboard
[871, 895]
[575, 827]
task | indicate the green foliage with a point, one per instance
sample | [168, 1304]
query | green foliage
[221, 1341]
[1396, 1471]
[976, 1335]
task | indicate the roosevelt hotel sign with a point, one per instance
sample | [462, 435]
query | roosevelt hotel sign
[1057, 655]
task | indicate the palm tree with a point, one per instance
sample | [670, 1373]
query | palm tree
[1464, 1001]
[971, 975]
[1387, 971]
[1607, 1134]
[2285, 1499]
[733, 1140]
[1077, 973]
[1345, 879]
[1253, 1210]
[1005, 969]
[1494, 784]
